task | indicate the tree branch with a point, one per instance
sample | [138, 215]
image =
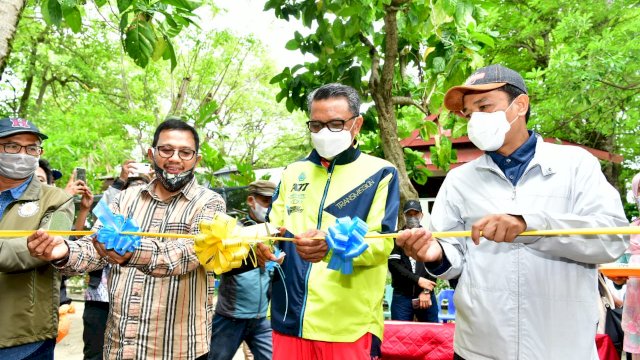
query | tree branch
[375, 61]
[621, 87]
[407, 101]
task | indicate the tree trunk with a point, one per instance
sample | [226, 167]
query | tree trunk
[31, 73]
[381, 92]
[10, 11]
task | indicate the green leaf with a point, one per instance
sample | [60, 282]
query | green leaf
[139, 41]
[170, 53]
[100, 3]
[292, 45]
[183, 4]
[338, 30]
[67, 3]
[290, 104]
[464, 14]
[428, 129]
[459, 129]
[124, 5]
[159, 49]
[438, 64]
[73, 18]
[51, 12]
[483, 38]
[124, 21]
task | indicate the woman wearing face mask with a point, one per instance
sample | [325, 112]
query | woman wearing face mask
[413, 294]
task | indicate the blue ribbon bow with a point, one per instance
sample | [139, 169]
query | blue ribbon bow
[346, 240]
[112, 226]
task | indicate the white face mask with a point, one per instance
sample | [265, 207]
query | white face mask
[487, 130]
[17, 166]
[329, 144]
[259, 211]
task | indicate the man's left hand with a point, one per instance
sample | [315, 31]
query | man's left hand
[498, 228]
[310, 249]
[425, 300]
[112, 256]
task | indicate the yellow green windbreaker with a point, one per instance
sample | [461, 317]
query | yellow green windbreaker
[323, 304]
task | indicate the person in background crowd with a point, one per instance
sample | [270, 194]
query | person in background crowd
[241, 311]
[96, 308]
[544, 287]
[413, 287]
[29, 297]
[161, 298]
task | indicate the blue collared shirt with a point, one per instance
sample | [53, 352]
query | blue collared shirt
[10, 195]
[514, 165]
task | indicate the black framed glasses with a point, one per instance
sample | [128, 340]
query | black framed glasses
[167, 152]
[335, 125]
[13, 148]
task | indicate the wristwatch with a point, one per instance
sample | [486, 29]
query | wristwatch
[426, 291]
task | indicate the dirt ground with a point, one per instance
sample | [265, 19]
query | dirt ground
[70, 348]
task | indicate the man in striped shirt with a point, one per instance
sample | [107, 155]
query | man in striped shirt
[161, 298]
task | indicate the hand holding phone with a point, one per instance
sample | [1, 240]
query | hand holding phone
[141, 168]
[81, 174]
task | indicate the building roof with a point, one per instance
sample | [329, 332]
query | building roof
[467, 152]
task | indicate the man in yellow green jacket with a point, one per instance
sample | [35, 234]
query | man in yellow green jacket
[317, 312]
[29, 288]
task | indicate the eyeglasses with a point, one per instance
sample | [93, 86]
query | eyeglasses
[167, 152]
[333, 125]
[13, 148]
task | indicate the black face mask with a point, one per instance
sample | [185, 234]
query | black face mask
[172, 182]
[412, 222]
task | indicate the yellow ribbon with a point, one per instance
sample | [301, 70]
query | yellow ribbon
[218, 247]
[221, 246]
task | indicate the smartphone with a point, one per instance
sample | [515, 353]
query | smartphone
[141, 168]
[81, 174]
[415, 303]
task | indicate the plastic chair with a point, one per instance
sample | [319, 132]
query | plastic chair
[446, 294]
[388, 295]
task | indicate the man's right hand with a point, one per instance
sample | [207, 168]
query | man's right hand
[45, 247]
[264, 254]
[426, 283]
[419, 244]
[127, 169]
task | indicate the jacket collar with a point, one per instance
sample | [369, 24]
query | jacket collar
[348, 156]
[541, 158]
[32, 192]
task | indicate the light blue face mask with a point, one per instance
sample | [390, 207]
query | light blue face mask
[17, 166]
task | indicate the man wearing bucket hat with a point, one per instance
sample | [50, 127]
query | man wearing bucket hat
[519, 297]
[29, 286]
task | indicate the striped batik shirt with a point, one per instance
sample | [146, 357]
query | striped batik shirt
[161, 301]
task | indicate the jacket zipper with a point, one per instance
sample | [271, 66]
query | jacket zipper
[513, 197]
[318, 226]
[258, 313]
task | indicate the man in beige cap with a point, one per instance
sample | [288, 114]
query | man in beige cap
[259, 200]
[519, 297]
[241, 311]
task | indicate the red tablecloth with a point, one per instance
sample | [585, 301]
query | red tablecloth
[416, 341]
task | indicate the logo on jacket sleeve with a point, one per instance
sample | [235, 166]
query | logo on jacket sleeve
[28, 209]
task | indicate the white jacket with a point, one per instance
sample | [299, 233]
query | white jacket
[536, 298]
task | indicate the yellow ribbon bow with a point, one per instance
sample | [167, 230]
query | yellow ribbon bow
[219, 247]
